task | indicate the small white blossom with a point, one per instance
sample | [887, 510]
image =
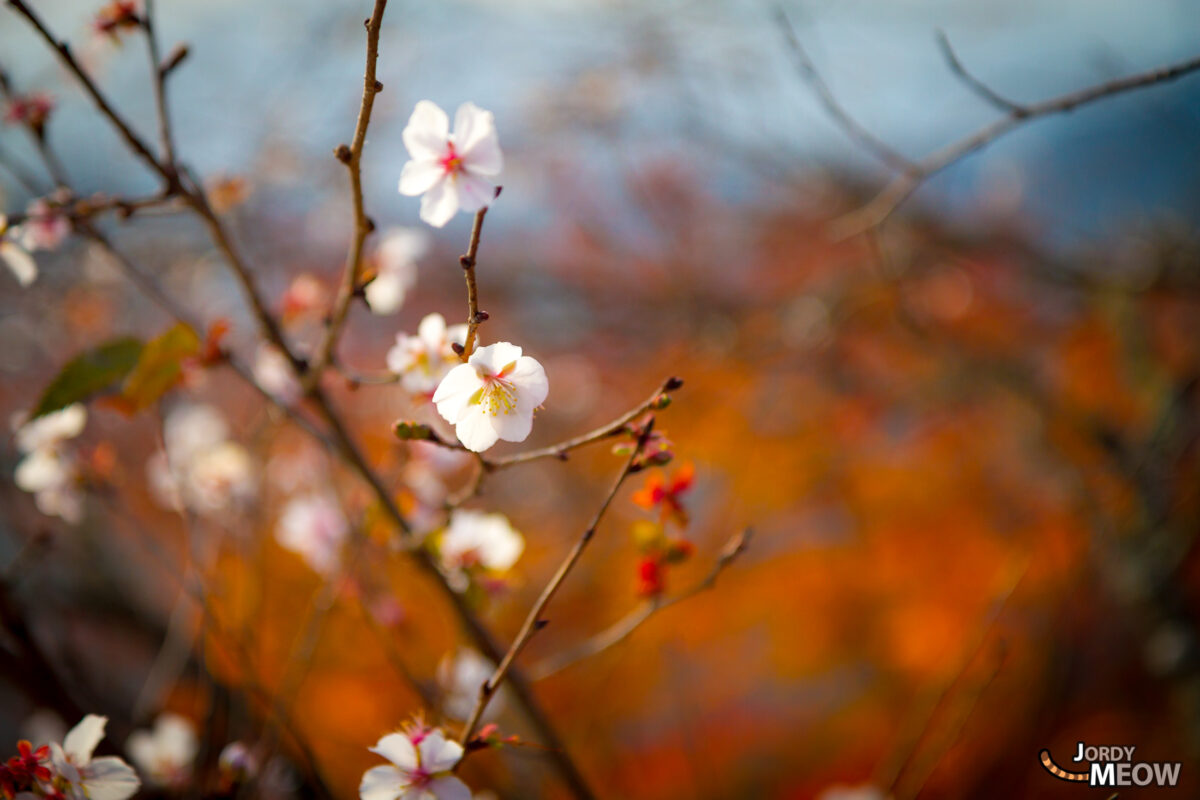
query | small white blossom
[314, 526]
[14, 254]
[492, 396]
[420, 769]
[460, 677]
[274, 374]
[452, 170]
[396, 269]
[87, 778]
[45, 227]
[478, 539]
[864, 792]
[201, 468]
[48, 471]
[165, 754]
[423, 360]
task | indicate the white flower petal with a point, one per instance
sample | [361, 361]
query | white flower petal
[382, 783]
[23, 267]
[427, 131]
[440, 203]
[495, 357]
[449, 787]
[83, 738]
[532, 385]
[432, 330]
[476, 141]
[439, 754]
[110, 778]
[398, 749]
[41, 470]
[454, 393]
[385, 294]
[473, 192]
[476, 429]
[50, 429]
[514, 426]
[418, 177]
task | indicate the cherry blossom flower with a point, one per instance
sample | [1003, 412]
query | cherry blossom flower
[274, 374]
[863, 792]
[31, 109]
[165, 754]
[117, 16]
[460, 677]
[305, 297]
[200, 468]
[314, 526]
[492, 396]
[48, 471]
[422, 361]
[451, 170]
[45, 226]
[475, 539]
[15, 255]
[395, 264]
[420, 770]
[81, 777]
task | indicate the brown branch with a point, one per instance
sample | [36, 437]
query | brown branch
[622, 629]
[352, 157]
[534, 622]
[877, 211]
[160, 72]
[856, 132]
[474, 315]
[614, 428]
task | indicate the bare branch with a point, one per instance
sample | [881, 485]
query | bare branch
[474, 315]
[979, 87]
[534, 622]
[160, 72]
[856, 132]
[363, 226]
[622, 629]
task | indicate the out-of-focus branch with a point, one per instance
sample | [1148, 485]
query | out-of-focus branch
[467, 260]
[533, 621]
[622, 629]
[856, 132]
[160, 72]
[352, 157]
[980, 88]
[902, 186]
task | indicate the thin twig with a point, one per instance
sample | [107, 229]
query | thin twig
[160, 72]
[622, 629]
[352, 157]
[467, 260]
[533, 621]
[979, 87]
[860, 135]
[877, 211]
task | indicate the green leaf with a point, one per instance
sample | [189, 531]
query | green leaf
[160, 366]
[89, 373]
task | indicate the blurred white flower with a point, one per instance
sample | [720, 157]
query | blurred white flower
[423, 360]
[395, 263]
[478, 539]
[47, 470]
[45, 227]
[420, 769]
[14, 255]
[460, 677]
[87, 778]
[492, 396]
[864, 792]
[314, 526]
[451, 170]
[201, 468]
[274, 374]
[165, 754]
[237, 763]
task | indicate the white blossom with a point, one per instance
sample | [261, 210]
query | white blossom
[87, 778]
[492, 396]
[47, 470]
[423, 360]
[479, 539]
[165, 753]
[274, 374]
[460, 677]
[864, 792]
[396, 269]
[15, 255]
[314, 526]
[452, 170]
[420, 769]
[200, 467]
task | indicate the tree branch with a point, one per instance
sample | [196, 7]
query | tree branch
[474, 315]
[974, 84]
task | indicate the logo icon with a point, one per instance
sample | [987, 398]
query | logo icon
[1112, 766]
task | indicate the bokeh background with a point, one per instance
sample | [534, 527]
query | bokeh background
[966, 443]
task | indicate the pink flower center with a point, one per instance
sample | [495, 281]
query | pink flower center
[451, 162]
[419, 778]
